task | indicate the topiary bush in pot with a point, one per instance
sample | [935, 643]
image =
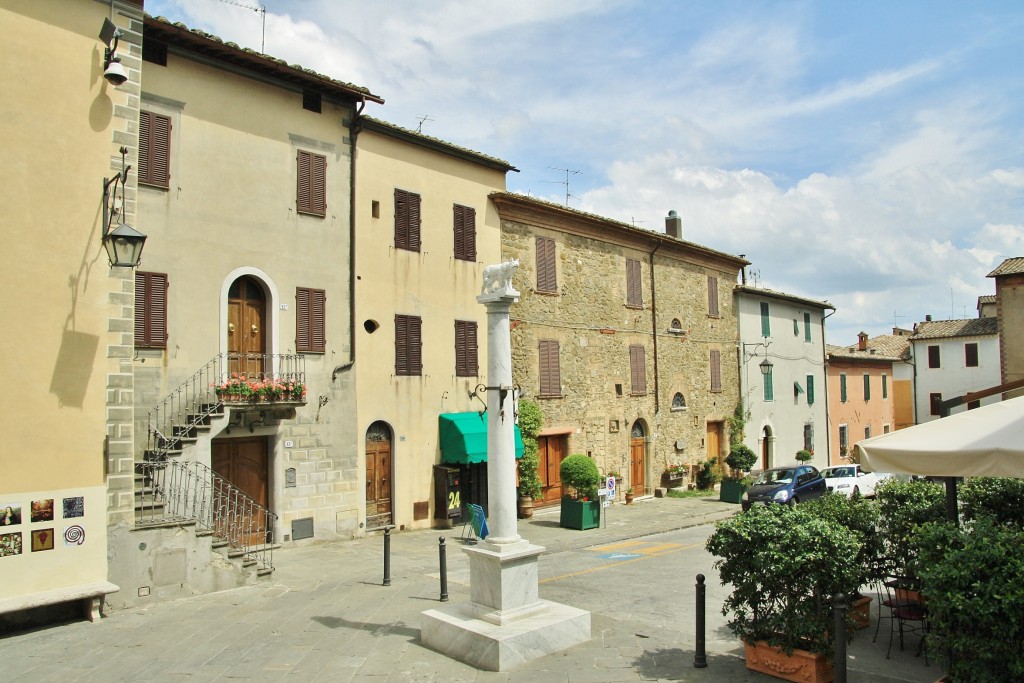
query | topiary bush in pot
[783, 566]
[739, 460]
[581, 509]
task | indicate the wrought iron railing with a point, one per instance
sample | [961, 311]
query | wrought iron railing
[177, 417]
[177, 491]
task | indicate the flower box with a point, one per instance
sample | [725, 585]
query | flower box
[731, 491]
[580, 514]
[801, 666]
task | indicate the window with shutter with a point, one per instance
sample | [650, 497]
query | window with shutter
[634, 292]
[716, 370]
[971, 355]
[150, 310]
[311, 179]
[154, 149]
[547, 282]
[465, 349]
[807, 327]
[465, 233]
[934, 357]
[842, 388]
[550, 371]
[810, 390]
[769, 387]
[407, 220]
[867, 387]
[408, 345]
[637, 370]
[713, 296]
[310, 322]
[766, 324]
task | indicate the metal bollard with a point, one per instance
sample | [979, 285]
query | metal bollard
[840, 615]
[700, 660]
[441, 550]
[387, 556]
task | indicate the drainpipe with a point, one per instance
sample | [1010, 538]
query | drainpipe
[353, 132]
[654, 334]
[828, 417]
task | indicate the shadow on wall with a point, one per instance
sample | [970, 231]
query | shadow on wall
[73, 369]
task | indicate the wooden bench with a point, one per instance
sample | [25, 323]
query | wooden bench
[90, 594]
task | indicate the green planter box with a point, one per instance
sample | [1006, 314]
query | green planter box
[731, 491]
[580, 514]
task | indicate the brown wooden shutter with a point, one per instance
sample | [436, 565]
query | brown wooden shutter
[310, 320]
[408, 345]
[151, 310]
[634, 291]
[637, 370]
[550, 371]
[311, 179]
[465, 349]
[713, 296]
[465, 232]
[407, 220]
[716, 370]
[547, 281]
[154, 149]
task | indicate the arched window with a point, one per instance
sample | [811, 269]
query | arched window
[678, 402]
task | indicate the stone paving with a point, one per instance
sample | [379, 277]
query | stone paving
[325, 615]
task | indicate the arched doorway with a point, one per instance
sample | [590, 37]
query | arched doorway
[378, 476]
[247, 333]
[766, 447]
[638, 457]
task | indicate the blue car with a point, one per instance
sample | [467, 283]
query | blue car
[790, 485]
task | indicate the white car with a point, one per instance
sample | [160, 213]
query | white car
[849, 480]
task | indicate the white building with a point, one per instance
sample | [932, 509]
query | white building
[785, 407]
[952, 358]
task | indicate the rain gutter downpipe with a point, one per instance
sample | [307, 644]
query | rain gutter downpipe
[353, 133]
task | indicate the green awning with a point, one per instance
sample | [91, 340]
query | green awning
[463, 438]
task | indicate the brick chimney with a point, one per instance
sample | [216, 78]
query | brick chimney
[862, 341]
[674, 225]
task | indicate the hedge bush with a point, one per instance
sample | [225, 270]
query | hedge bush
[580, 474]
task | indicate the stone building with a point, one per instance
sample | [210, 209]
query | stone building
[625, 337]
[1009, 277]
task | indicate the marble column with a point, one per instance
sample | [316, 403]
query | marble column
[505, 623]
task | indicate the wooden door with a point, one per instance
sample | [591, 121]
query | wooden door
[637, 458]
[378, 476]
[244, 463]
[766, 446]
[246, 327]
[714, 441]
[551, 450]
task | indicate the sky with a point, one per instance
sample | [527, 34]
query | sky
[869, 154]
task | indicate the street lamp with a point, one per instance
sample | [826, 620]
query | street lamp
[766, 366]
[124, 243]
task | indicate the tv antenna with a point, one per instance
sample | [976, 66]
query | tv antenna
[259, 9]
[896, 319]
[565, 182]
[422, 119]
[634, 221]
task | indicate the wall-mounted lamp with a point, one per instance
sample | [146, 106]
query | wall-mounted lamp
[765, 365]
[124, 243]
[113, 70]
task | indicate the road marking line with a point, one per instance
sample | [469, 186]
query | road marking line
[614, 564]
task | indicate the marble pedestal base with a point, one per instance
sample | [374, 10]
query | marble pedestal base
[505, 624]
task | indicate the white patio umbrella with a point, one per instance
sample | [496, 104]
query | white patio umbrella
[985, 442]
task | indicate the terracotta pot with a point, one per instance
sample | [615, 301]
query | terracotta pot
[860, 611]
[525, 507]
[801, 666]
[629, 499]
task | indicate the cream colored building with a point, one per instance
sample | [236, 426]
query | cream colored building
[625, 337]
[244, 171]
[425, 230]
[63, 126]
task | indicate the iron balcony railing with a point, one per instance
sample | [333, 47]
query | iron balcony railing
[178, 416]
[186, 492]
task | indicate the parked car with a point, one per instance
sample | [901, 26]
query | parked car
[850, 480]
[789, 485]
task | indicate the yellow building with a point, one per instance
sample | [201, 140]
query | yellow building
[69, 362]
[425, 230]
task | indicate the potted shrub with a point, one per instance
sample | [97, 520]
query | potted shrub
[530, 486]
[739, 460]
[973, 578]
[629, 496]
[581, 508]
[860, 516]
[804, 455]
[784, 565]
[709, 474]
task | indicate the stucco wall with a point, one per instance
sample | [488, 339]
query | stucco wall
[429, 283]
[953, 378]
[858, 413]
